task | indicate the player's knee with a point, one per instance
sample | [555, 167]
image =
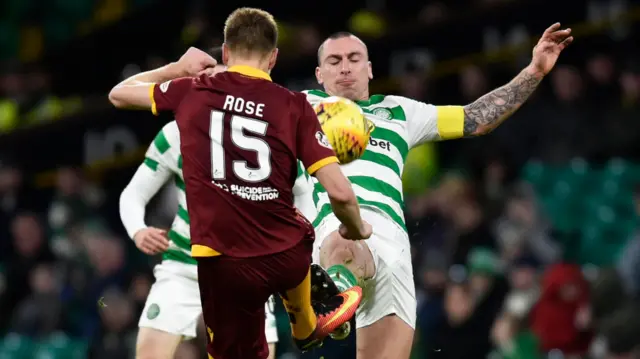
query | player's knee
[355, 255]
[336, 250]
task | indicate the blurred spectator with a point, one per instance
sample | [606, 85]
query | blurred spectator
[629, 262]
[431, 298]
[308, 39]
[433, 13]
[473, 83]
[558, 318]
[513, 339]
[15, 195]
[487, 286]
[29, 249]
[601, 71]
[463, 333]
[522, 228]
[622, 133]
[414, 85]
[12, 189]
[41, 104]
[75, 202]
[469, 229]
[620, 333]
[523, 280]
[608, 295]
[116, 337]
[139, 290]
[12, 99]
[566, 138]
[40, 313]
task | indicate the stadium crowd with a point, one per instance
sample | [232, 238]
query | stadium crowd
[524, 242]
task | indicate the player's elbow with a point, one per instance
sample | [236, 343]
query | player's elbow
[116, 97]
[125, 199]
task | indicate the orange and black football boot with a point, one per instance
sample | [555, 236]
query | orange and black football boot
[331, 315]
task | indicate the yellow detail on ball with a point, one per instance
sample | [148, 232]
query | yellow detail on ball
[346, 127]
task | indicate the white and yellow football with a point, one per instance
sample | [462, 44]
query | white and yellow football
[347, 129]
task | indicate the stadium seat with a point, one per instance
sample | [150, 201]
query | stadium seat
[596, 204]
[60, 346]
[15, 346]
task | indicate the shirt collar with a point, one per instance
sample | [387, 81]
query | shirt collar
[250, 71]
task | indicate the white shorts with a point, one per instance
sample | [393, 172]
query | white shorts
[392, 289]
[173, 304]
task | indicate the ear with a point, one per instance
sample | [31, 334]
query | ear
[225, 53]
[272, 59]
[319, 76]
[370, 70]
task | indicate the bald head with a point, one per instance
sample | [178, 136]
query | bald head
[343, 66]
[340, 35]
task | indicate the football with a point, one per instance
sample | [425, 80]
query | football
[345, 126]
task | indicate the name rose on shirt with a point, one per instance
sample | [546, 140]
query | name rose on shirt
[238, 104]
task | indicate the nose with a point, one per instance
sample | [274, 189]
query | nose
[345, 69]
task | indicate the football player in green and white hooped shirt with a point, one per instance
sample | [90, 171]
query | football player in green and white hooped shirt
[387, 315]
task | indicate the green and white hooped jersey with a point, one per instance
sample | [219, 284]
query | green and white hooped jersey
[401, 124]
[164, 152]
[164, 155]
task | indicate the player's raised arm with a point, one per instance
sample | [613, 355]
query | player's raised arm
[318, 157]
[487, 112]
[138, 91]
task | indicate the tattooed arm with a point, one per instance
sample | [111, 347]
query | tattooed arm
[486, 113]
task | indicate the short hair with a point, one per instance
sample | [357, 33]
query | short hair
[335, 36]
[249, 30]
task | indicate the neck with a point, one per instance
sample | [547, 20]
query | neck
[362, 96]
[259, 64]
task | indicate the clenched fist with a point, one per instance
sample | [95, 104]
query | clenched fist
[195, 62]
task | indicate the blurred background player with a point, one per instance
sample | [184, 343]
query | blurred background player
[387, 317]
[234, 128]
[173, 308]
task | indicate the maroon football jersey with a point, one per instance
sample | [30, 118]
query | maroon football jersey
[241, 136]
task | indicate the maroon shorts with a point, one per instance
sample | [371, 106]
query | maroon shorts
[233, 293]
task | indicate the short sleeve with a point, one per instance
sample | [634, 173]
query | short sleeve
[313, 148]
[168, 95]
[432, 123]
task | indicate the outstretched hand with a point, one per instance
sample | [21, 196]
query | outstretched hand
[549, 47]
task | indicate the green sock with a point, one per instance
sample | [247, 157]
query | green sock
[342, 277]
